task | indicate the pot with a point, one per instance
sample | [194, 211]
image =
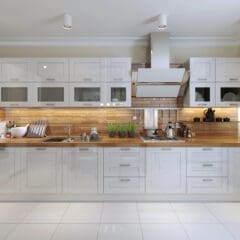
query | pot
[151, 132]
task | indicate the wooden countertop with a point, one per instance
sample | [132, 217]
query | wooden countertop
[105, 141]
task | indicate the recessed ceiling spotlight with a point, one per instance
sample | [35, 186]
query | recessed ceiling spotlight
[162, 21]
[67, 22]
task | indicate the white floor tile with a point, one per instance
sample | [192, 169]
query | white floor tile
[193, 213]
[234, 229]
[46, 213]
[32, 232]
[5, 229]
[76, 232]
[207, 232]
[225, 212]
[120, 232]
[164, 232]
[120, 213]
[83, 213]
[14, 212]
[156, 213]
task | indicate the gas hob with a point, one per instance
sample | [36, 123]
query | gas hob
[160, 139]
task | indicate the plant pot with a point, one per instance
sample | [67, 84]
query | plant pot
[131, 134]
[112, 134]
[122, 134]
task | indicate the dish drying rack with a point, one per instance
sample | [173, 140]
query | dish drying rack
[37, 129]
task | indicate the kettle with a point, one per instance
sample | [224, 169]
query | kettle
[209, 115]
[169, 131]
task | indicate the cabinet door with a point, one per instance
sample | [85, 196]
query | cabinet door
[202, 69]
[17, 70]
[15, 94]
[202, 94]
[9, 170]
[50, 94]
[228, 69]
[87, 70]
[41, 170]
[82, 170]
[119, 70]
[87, 94]
[234, 166]
[118, 94]
[166, 170]
[51, 70]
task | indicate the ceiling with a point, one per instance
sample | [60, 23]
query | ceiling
[119, 18]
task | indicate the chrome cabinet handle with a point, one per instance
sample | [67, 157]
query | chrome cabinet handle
[202, 79]
[202, 104]
[233, 79]
[118, 79]
[87, 79]
[166, 149]
[125, 149]
[84, 149]
[50, 104]
[207, 149]
[207, 165]
[125, 180]
[2, 149]
[41, 149]
[14, 79]
[124, 165]
[50, 79]
[207, 180]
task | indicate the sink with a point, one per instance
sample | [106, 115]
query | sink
[56, 139]
[67, 140]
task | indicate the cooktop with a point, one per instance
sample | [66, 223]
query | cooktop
[160, 139]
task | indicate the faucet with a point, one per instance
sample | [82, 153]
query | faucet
[69, 131]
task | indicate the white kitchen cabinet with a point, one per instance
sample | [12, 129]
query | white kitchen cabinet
[234, 166]
[50, 94]
[87, 94]
[15, 94]
[118, 70]
[17, 70]
[166, 170]
[207, 170]
[51, 70]
[228, 70]
[83, 170]
[202, 69]
[87, 70]
[41, 170]
[124, 170]
[9, 170]
[118, 94]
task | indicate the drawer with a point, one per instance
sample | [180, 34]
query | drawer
[207, 185]
[206, 154]
[207, 168]
[124, 185]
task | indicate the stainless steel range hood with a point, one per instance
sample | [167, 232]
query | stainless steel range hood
[160, 80]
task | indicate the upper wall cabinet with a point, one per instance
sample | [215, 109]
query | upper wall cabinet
[87, 69]
[51, 69]
[228, 69]
[118, 70]
[202, 69]
[16, 70]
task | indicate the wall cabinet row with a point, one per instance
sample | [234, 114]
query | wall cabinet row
[135, 170]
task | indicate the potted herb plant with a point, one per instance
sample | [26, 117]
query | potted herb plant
[122, 130]
[131, 129]
[111, 129]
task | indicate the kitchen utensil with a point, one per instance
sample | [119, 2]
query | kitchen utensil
[169, 131]
[152, 132]
[196, 119]
[19, 131]
[209, 115]
[37, 129]
[226, 119]
[218, 119]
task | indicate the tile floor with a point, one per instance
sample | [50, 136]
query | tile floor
[120, 221]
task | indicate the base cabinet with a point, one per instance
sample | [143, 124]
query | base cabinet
[166, 170]
[234, 174]
[9, 170]
[82, 170]
[41, 170]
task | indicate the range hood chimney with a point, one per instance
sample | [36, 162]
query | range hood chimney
[160, 80]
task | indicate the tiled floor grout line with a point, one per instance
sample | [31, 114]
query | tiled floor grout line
[139, 219]
[219, 221]
[179, 220]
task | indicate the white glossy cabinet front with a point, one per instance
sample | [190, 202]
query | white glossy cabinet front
[9, 170]
[83, 170]
[234, 170]
[166, 170]
[41, 170]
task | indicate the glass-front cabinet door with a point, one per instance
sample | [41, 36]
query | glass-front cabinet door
[15, 94]
[118, 94]
[228, 94]
[202, 95]
[48, 95]
[87, 95]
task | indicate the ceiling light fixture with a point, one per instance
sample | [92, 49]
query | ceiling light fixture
[162, 21]
[67, 22]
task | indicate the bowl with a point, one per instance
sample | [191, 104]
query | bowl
[19, 131]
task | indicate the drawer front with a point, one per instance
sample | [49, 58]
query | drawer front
[206, 154]
[207, 185]
[204, 168]
[124, 185]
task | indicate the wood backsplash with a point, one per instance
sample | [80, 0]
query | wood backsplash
[83, 119]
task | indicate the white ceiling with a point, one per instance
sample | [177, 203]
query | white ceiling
[119, 18]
